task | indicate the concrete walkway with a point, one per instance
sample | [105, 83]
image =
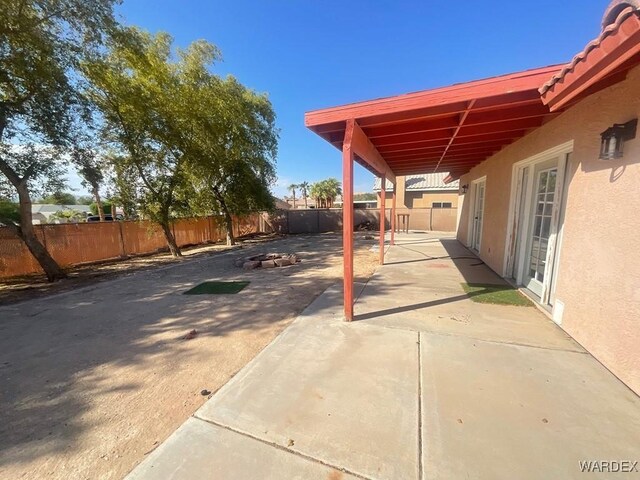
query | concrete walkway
[426, 384]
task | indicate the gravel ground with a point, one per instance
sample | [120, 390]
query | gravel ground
[94, 378]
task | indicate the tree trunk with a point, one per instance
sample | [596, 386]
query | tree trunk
[228, 220]
[171, 240]
[51, 269]
[96, 196]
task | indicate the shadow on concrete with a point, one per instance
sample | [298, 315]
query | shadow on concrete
[409, 308]
[472, 268]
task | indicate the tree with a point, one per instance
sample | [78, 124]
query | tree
[59, 198]
[139, 93]
[41, 44]
[232, 155]
[325, 192]
[84, 200]
[68, 215]
[304, 188]
[90, 170]
[292, 188]
[9, 212]
[105, 207]
[365, 196]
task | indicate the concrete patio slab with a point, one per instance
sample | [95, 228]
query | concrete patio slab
[498, 411]
[426, 384]
[342, 394]
[453, 313]
[198, 450]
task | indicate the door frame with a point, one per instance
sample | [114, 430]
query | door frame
[472, 210]
[519, 217]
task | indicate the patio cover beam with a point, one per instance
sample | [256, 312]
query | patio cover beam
[367, 153]
[383, 208]
[347, 219]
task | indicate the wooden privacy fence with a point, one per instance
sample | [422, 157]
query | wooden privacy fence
[330, 220]
[76, 243]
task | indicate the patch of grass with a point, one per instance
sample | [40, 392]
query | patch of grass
[217, 288]
[496, 294]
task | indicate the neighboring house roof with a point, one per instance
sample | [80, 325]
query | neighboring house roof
[604, 61]
[281, 204]
[49, 208]
[422, 183]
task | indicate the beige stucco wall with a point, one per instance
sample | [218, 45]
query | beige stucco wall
[599, 268]
[426, 199]
[413, 199]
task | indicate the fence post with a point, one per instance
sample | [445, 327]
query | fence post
[123, 252]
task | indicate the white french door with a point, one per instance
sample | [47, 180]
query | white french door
[537, 212]
[478, 215]
[543, 202]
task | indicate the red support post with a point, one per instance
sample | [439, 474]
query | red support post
[347, 220]
[393, 216]
[383, 199]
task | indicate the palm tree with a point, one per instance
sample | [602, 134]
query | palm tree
[304, 187]
[325, 192]
[314, 191]
[333, 189]
[292, 189]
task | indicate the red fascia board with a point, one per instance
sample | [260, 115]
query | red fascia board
[366, 151]
[464, 92]
[614, 50]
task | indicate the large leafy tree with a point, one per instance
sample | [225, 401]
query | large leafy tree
[59, 198]
[41, 45]
[141, 95]
[232, 157]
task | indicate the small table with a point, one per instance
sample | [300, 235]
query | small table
[405, 222]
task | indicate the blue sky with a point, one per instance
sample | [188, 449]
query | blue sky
[309, 54]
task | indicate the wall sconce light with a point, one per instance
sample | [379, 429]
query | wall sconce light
[465, 188]
[613, 139]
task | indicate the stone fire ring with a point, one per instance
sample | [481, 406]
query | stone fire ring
[267, 260]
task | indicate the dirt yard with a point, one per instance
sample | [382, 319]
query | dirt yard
[93, 379]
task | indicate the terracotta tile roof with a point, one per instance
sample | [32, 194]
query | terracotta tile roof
[421, 183]
[609, 30]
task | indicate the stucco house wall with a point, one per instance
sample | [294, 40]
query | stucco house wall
[426, 199]
[419, 199]
[598, 278]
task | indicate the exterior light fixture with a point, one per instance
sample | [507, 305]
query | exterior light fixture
[613, 138]
[464, 189]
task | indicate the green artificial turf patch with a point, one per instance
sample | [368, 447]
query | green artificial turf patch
[496, 294]
[217, 288]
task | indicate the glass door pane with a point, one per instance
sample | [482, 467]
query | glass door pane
[544, 198]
